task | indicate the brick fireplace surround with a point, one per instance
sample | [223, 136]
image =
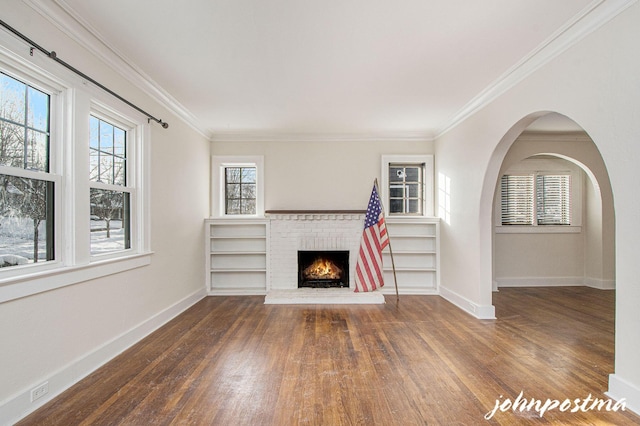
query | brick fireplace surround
[294, 230]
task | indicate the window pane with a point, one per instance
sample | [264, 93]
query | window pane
[12, 99]
[94, 165]
[38, 116]
[412, 174]
[248, 175]
[106, 168]
[119, 146]
[119, 167]
[414, 190]
[110, 224]
[248, 191]
[233, 174]
[11, 145]
[26, 220]
[233, 191]
[396, 191]
[414, 206]
[396, 174]
[37, 151]
[106, 137]
[248, 206]
[396, 206]
[517, 199]
[24, 125]
[553, 197]
[108, 156]
[233, 207]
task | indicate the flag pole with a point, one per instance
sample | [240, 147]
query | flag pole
[393, 264]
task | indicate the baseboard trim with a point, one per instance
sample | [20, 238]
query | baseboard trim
[540, 281]
[19, 406]
[600, 283]
[478, 311]
[620, 388]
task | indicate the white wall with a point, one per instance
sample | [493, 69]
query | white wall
[595, 83]
[61, 335]
[320, 175]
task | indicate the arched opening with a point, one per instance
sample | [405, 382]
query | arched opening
[530, 250]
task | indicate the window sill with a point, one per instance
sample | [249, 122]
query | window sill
[544, 229]
[37, 282]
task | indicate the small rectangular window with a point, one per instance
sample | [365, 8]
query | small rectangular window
[240, 190]
[406, 189]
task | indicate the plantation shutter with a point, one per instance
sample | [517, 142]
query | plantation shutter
[553, 193]
[517, 199]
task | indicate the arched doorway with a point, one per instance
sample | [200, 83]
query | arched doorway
[578, 251]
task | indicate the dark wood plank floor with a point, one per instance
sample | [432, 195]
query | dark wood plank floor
[236, 361]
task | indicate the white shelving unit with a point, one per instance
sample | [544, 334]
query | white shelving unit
[236, 256]
[416, 244]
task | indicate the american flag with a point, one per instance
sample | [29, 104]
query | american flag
[374, 240]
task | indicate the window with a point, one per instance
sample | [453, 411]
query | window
[74, 204]
[237, 186]
[536, 199]
[406, 189]
[407, 185]
[109, 195]
[240, 190]
[27, 187]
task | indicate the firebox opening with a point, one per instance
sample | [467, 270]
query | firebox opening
[323, 269]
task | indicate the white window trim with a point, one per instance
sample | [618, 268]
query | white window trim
[541, 166]
[72, 100]
[218, 165]
[427, 207]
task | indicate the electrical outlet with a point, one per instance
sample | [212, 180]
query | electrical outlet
[39, 391]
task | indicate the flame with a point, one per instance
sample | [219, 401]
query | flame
[322, 269]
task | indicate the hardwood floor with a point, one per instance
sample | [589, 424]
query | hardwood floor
[236, 361]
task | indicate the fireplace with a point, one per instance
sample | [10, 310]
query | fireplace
[323, 269]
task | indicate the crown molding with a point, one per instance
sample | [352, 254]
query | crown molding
[256, 136]
[592, 17]
[63, 17]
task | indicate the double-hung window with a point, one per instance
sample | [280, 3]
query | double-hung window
[73, 181]
[536, 199]
[27, 182]
[110, 195]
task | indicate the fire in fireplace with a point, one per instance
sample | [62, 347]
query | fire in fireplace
[323, 269]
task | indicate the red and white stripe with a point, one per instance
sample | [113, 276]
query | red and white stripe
[369, 273]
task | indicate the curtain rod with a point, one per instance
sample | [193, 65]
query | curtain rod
[52, 55]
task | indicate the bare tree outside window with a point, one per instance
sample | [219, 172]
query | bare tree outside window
[26, 204]
[240, 190]
[110, 222]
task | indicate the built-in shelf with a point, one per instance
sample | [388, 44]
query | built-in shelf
[236, 256]
[240, 251]
[415, 246]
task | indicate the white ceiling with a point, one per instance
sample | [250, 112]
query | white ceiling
[409, 67]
